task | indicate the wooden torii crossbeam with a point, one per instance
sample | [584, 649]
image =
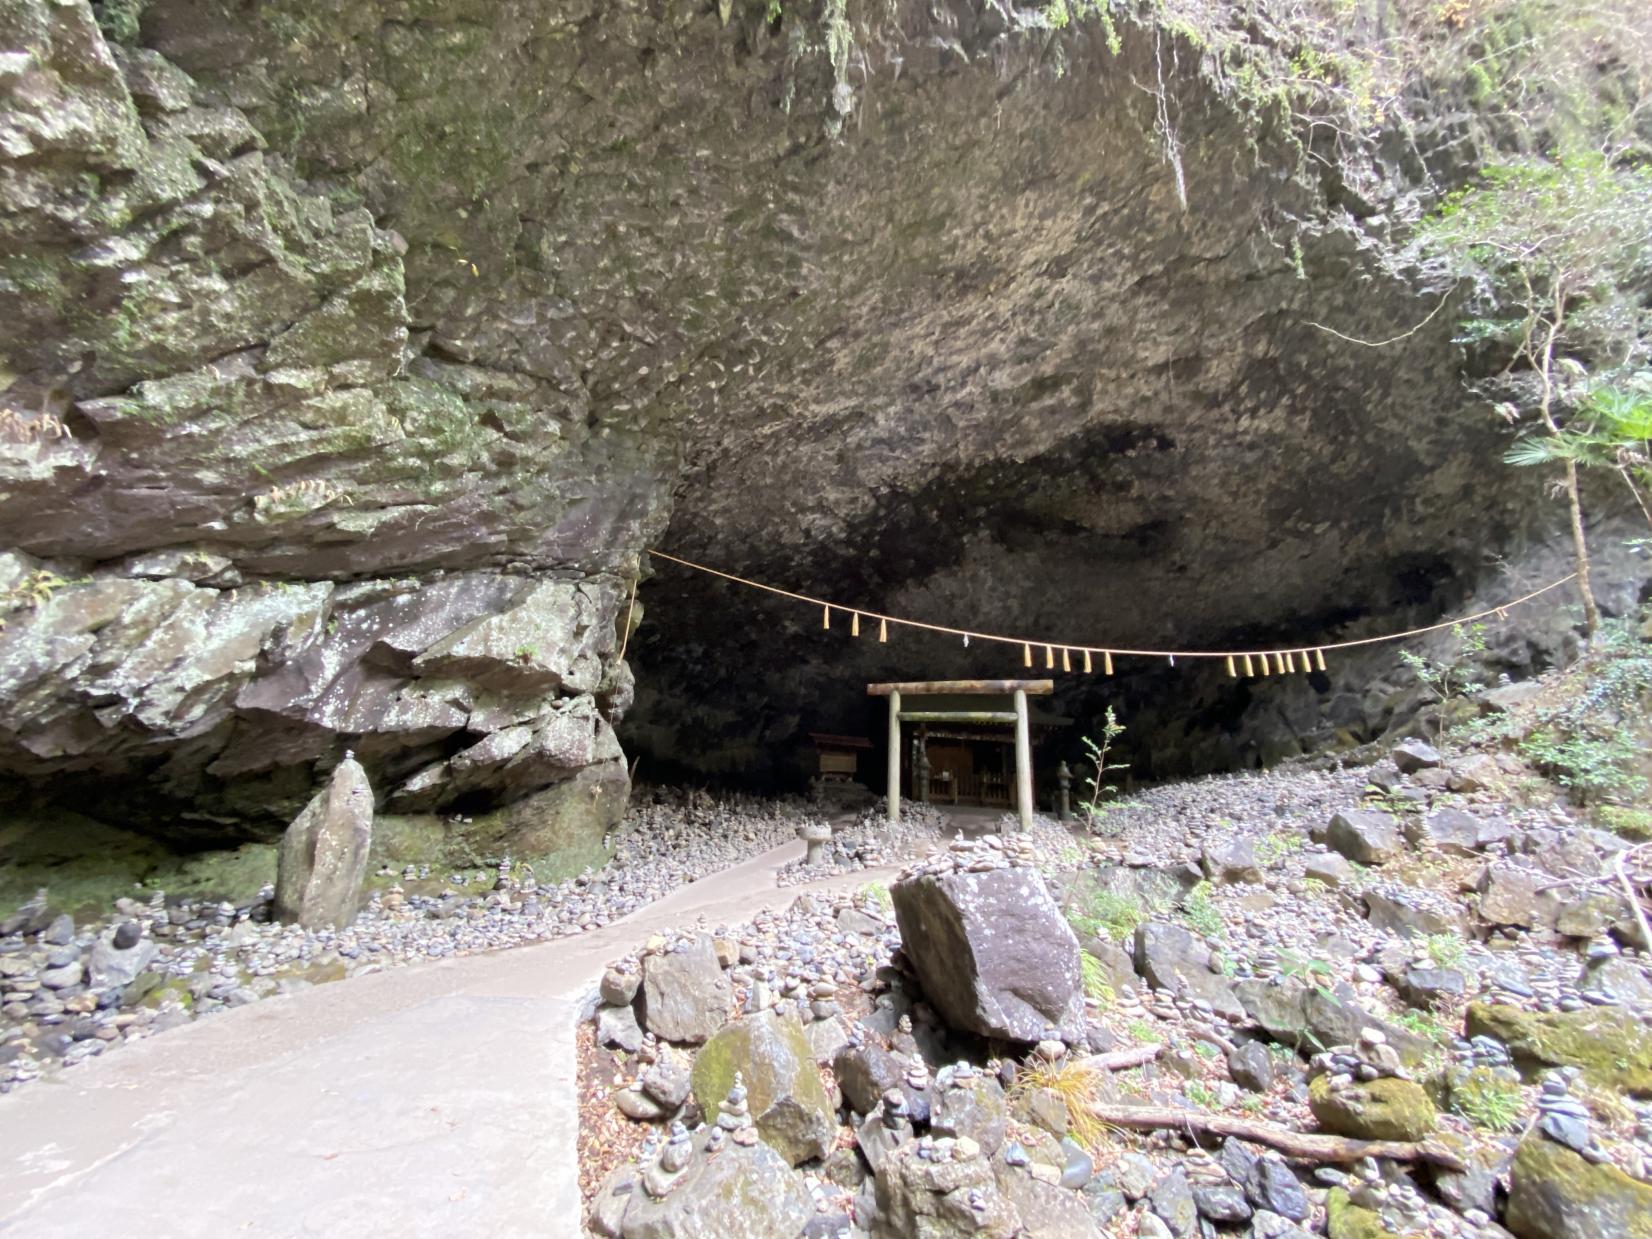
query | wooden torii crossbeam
[1020, 689]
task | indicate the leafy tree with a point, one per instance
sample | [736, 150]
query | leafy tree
[1563, 245]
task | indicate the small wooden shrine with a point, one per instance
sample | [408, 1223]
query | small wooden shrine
[839, 756]
[972, 704]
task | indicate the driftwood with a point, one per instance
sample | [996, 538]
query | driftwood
[1123, 1060]
[1309, 1146]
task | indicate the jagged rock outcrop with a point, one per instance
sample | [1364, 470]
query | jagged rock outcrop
[352, 354]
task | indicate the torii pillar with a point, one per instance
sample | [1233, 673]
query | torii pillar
[1019, 690]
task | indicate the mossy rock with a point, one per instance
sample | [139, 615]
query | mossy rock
[784, 1095]
[1386, 1109]
[1610, 1046]
[1555, 1193]
[174, 990]
[1346, 1220]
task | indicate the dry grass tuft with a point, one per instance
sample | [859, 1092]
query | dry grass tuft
[1076, 1084]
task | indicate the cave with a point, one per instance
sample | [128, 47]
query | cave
[366, 367]
[826, 619]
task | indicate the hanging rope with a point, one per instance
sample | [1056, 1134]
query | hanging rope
[1309, 657]
[625, 637]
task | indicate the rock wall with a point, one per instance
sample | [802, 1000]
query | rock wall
[352, 354]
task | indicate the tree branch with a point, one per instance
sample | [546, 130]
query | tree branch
[1309, 1146]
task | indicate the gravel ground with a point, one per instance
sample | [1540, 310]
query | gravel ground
[1281, 923]
[58, 1009]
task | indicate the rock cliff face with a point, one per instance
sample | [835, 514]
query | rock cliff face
[353, 353]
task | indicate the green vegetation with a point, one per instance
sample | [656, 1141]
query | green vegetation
[877, 894]
[1107, 914]
[120, 19]
[1446, 679]
[1275, 847]
[1446, 950]
[1094, 806]
[1426, 1024]
[1314, 971]
[1096, 984]
[1059, 14]
[1201, 1095]
[1200, 914]
[33, 590]
[1594, 742]
[1141, 1032]
[1562, 244]
[1487, 1099]
[1630, 823]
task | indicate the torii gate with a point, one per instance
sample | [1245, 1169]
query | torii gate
[1021, 690]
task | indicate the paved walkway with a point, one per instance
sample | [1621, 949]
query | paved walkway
[434, 1099]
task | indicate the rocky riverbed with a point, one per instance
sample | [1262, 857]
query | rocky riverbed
[1184, 1025]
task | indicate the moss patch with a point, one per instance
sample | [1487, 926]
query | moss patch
[1346, 1220]
[1611, 1047]
[85, 865]
[784, 1094]
[1386, 1109]
[1555, 1193]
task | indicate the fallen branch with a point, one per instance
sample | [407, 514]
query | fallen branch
[1620, 868]
[1309, 1146]
[1123, 1060]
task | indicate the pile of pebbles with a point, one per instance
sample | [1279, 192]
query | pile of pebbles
[871, 842]
[1280, 928]
[202, 956]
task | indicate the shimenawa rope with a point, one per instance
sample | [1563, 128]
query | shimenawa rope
[1284, 659]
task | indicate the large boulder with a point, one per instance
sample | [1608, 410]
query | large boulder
[1047, 1210]
[784, 1094]
[1232, 859]
[323, 858]
[1456, 832]
[741, 1192]
[993, 952]
[684, 995]
[1611, 1047]
[1172, 959]
[1555, 1193]
[1386, 1108]
[1410, 912]
[971, 1105]
[1364, 836]
[1310, 1018]
[1411, 756]
[864, 1073]
[1510, 895]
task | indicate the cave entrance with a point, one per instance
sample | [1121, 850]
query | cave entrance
[970, 715]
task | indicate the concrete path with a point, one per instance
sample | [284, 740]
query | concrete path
[433, 1099]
